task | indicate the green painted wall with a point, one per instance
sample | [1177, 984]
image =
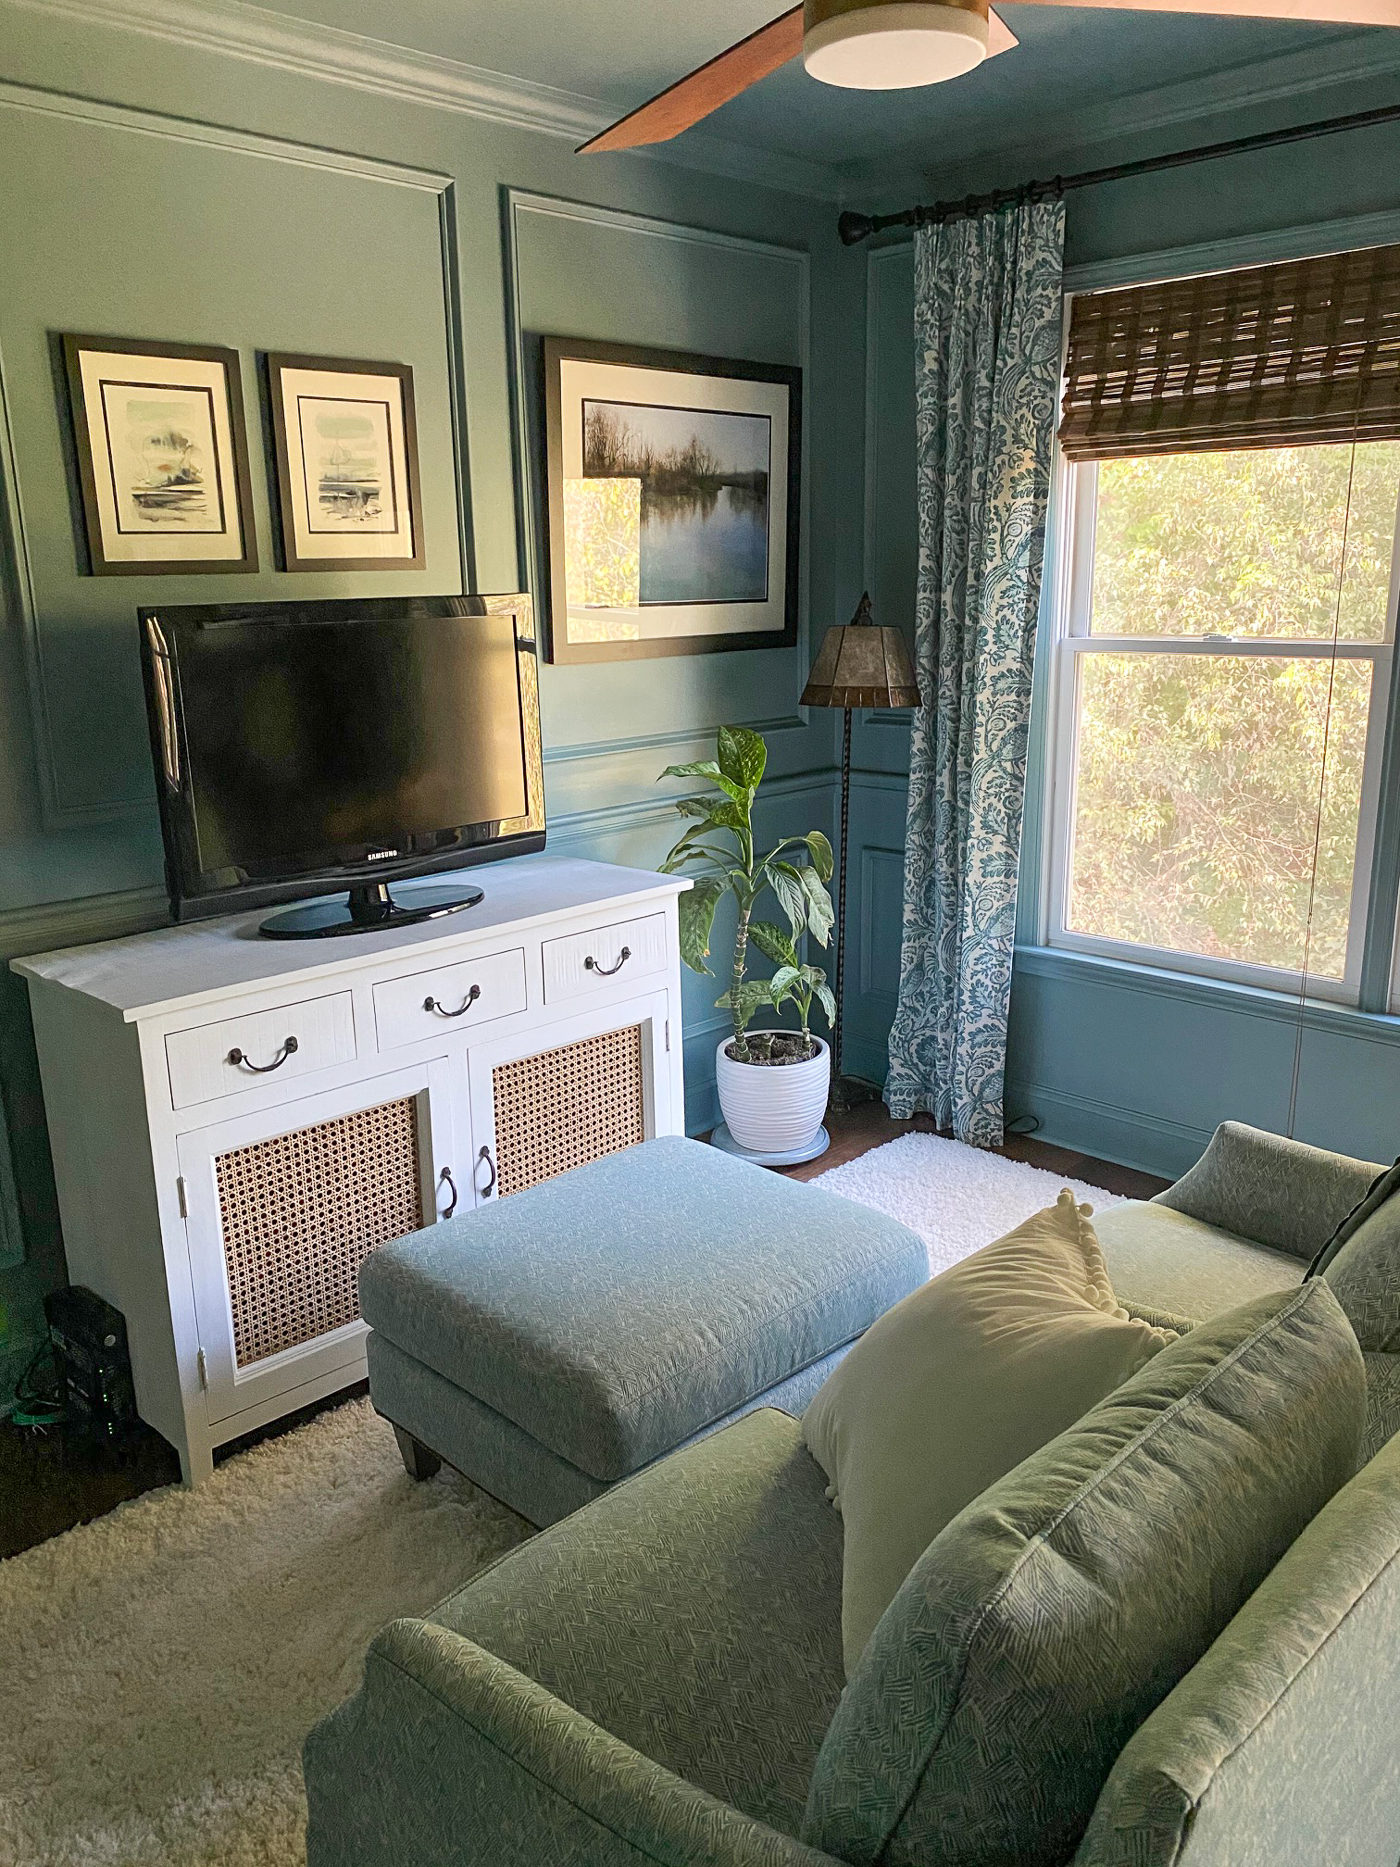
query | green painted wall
[1108, 1058]
[156, 190]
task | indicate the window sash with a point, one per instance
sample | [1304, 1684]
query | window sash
[1072, 599]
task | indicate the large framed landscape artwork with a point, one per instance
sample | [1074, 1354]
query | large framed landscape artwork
[346, 445]
[162, 455]
[673, 498]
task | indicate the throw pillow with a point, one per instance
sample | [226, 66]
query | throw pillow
[958, 1383]
[1361, 1261]
[1039, 1630]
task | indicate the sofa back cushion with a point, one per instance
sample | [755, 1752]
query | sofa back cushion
[1361, 1261]
[1280, 1744]
[1042, 1626]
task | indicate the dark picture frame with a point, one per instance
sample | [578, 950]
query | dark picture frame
[311, 515]
[762, 505]
[168, 481]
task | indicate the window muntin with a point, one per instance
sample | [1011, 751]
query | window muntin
[1203, 711]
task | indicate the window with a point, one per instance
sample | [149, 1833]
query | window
[1225, 628]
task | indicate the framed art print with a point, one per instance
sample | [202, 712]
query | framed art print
[672, 493]
[346, 450]
[162, 456]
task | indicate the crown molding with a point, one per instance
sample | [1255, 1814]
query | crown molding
[331, 54]
[1061, 141]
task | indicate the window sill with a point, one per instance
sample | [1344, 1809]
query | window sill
[1224, 995]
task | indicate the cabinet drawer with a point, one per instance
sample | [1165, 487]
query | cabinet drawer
[269, 1047]
[449, 998]
[604, 957]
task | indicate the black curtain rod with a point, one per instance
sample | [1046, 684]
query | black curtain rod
[854, 227]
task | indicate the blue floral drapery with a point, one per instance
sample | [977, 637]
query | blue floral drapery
[987, 368]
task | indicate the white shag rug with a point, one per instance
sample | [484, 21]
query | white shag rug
[957, 1198]
[162, 1665]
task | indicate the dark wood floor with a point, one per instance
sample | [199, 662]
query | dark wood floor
[47, 1485]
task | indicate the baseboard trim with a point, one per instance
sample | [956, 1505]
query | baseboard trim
[1129, 1137]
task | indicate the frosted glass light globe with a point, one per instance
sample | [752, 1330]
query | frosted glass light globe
[894, 45]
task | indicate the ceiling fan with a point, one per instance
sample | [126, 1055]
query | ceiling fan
[884, 45]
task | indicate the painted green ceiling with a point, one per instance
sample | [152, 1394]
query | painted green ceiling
[1069, 66]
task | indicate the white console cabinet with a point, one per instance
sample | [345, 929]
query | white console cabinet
[237, 1122]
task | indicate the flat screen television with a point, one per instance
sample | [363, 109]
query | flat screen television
[332, 748]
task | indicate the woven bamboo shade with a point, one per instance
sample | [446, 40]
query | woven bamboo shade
[1268, 356]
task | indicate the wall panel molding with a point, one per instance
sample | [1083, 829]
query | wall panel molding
[332, 55]
[18, 590]
[517, 205]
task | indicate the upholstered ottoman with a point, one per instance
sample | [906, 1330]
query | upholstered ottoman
[560, 1341]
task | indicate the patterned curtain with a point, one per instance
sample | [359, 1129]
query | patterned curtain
[987, 368]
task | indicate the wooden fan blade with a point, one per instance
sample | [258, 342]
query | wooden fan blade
[1326, 12]
[1000, 37]
[696, 95]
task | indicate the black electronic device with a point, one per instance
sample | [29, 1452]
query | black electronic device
[309, 748]
[89, 1339]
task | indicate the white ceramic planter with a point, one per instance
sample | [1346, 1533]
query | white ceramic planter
[774, 1108]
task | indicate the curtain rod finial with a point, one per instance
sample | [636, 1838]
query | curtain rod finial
[853, 228]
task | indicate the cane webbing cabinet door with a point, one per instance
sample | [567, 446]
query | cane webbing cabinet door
[284, 1206]
[543, 1103]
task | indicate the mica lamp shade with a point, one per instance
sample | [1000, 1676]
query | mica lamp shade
[861, 665]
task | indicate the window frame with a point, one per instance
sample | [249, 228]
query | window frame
[1071, 603]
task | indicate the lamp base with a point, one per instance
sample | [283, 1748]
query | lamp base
[850, 1092]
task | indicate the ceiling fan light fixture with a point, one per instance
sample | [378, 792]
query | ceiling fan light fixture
[892, 45]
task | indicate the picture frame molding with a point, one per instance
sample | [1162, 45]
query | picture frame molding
[557, 350]
[74, 345]
[288, 557]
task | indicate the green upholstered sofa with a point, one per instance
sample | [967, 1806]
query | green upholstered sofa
[652, 1679]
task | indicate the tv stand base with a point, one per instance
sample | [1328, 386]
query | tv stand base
[366, 910]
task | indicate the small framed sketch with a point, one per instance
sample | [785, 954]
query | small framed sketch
[672, 500]
[162, 456]
[347, 464]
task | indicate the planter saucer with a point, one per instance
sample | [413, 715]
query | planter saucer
[793, 1157]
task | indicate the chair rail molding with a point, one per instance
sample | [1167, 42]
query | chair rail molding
[334, 55]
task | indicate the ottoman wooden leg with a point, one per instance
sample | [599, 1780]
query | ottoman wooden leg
[418, 1461]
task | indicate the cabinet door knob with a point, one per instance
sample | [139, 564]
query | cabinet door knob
[606, 972]
[240, 1059]
[490, 1185]
[445, 1179]
[436, 1004]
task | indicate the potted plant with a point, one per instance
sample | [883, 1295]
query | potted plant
[773, 1084]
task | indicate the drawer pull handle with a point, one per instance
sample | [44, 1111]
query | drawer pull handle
[436, 1004]
[606, 972]
[445, 1179]
[490, 1186]
[239, 1059]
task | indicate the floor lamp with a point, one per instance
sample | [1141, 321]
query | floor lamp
[858, 665]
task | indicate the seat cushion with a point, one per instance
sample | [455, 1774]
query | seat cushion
[1170, 1261]
[694, 1612]
[616, 1310]
[1002, 1352]
[1043, 1625]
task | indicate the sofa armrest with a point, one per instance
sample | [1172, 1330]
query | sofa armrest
[449, 1757]
[1275, 1191]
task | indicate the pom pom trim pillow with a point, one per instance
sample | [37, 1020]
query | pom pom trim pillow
[956, 1385]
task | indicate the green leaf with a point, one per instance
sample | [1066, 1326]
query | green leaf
[782, 982]
[786, 879]
[707, 768]
[752, 994]
[773, 943]
[820, 913]
[820, 851]
[742, 755]
[697, 916]
[826, 1001]
[695, 806]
